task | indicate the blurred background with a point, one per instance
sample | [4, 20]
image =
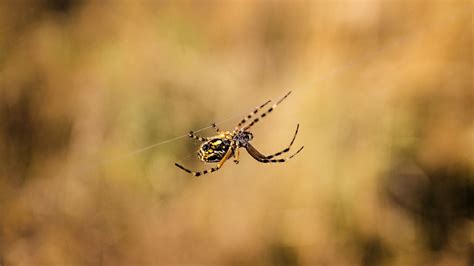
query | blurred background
[383, 92]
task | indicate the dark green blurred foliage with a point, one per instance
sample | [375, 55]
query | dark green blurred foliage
[439, 200]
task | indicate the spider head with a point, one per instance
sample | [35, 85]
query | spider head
[242, 138]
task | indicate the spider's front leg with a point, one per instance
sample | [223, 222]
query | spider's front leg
[236, 155]
[194, 136]
[215, 127]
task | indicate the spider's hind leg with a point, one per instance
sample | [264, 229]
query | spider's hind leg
[263, 159]
[287, 149]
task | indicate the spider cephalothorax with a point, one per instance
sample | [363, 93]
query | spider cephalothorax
[218, 149]
[242, 138]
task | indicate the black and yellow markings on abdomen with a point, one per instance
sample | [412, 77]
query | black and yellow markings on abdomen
[214, 150]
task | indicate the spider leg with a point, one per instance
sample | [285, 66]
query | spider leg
[287, 149]
[194, 136]
[215, 127]
[263, 159]
[265, 113]
[250, 115]
[213, 169]
[236, 155]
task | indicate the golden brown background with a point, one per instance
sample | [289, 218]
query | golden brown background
[383, 91]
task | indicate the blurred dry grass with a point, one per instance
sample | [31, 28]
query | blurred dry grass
[383, 92]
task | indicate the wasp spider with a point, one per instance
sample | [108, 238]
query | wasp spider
[218, 149]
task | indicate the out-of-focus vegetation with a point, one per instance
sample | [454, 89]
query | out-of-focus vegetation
[383, 92]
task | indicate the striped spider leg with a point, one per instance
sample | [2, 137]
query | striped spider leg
[251, 115]
[215, 127]
[269, 159]
[256, 154]
[194, 136]
[287, 149]
[263, 114]
[264, 159]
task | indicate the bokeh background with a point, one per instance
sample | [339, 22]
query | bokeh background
[383, 91]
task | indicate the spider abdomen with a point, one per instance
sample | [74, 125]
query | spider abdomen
[214, 150]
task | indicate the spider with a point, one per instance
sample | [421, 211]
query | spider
[218, 149]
